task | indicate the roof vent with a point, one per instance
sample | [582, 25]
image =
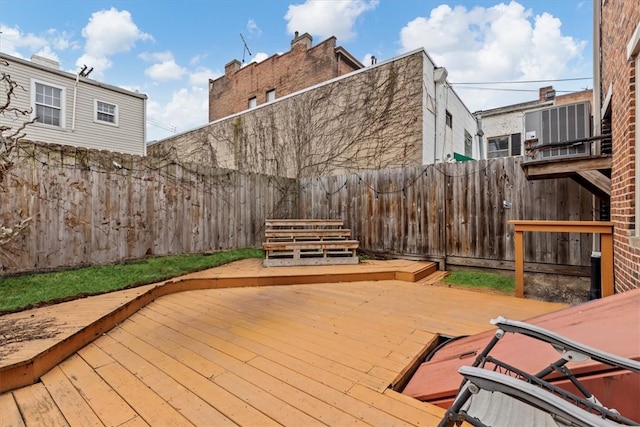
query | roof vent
[41, 60]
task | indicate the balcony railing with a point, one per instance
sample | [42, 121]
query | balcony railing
[535, 151]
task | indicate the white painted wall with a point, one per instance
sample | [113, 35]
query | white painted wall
[462, 120]
[506, 123]
[79, 127]
[440, 142]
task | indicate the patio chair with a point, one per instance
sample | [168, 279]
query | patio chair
[494, 393]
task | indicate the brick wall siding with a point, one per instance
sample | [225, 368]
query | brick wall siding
[619, 20]
[301, 67]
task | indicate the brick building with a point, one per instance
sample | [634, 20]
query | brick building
[257, 83]
[616, 72]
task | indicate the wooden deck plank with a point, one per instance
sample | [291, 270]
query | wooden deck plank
[300, 362]
[275, 355]
[311, 315]
[182, 399]
[342, 401]
[226, 403]
[37, 406]
[9, 411]
[151, 407]
[294, 328]
[200, 334]
[326, 326]
[134, 422]
[282, 412]
[325, 359]
[428, 415]
[417, 404]
[108, 405]
[75, 409]
[256, 381]
[333, 304]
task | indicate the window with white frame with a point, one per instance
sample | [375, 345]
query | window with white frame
[504, 146]
[271, 95]
[448, 119]
[105, 112]
[48, 103]
[468, 144]
[252, 102]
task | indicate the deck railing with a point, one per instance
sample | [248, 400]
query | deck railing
[603, 228]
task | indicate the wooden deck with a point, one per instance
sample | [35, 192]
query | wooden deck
[319, 353]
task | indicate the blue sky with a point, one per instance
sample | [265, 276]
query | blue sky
[168, 49]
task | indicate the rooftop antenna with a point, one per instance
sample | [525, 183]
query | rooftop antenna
[246, 48]
[84, 72]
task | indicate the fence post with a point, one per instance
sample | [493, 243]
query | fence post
[519, 262]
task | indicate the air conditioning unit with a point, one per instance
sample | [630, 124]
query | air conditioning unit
[557, 124]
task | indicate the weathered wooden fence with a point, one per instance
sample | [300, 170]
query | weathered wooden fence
[95, 207]
[455, 211]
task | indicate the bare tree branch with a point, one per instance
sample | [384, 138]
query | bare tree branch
[9, 137]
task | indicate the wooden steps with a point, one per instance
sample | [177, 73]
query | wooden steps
[294, 242]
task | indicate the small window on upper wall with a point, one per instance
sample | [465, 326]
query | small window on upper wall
[271, 95]
[252, 102]
[106, 112]
[468, 144]
[504, 146]
[449, 119]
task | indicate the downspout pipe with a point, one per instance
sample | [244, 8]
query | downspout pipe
[480, 135]
[597, 83]
[75, 97]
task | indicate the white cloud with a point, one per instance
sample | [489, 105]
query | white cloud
[156, 56]
[198, 59]
[188, 107]
[258, 57]
[61, 40]
[46, 52]
[109, 32]
[201, 76]
[327, 18]
[166, 70]
[99, 64]
[253, 28]
[504, 42]
[14, 40]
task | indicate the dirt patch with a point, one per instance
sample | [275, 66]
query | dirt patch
[553, 288]
[14, 331]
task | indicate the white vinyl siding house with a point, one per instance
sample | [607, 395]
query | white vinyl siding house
[73, 110]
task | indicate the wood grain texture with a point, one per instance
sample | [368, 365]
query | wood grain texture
[294, 355]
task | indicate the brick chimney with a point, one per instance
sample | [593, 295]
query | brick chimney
[547, 93]
[232, 67]
[304, 40]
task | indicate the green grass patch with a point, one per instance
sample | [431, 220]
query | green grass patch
[22, 292]
[483, 280]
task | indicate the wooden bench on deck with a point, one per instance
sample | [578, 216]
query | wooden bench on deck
[290, 242]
